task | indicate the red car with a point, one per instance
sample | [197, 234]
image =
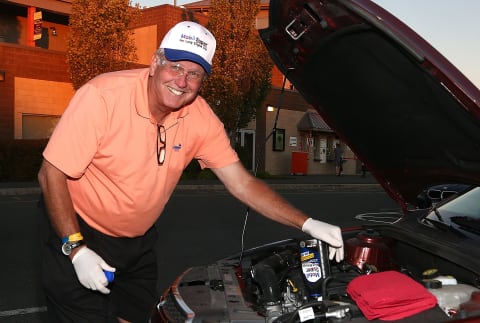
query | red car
[414, 120]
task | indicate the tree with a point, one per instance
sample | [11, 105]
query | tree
[101, 38]
[241, 66]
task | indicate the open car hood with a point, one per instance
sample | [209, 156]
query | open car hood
[402, 108]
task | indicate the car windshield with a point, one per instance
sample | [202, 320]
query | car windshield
[461, 214]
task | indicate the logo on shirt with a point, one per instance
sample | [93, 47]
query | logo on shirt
[177, 147]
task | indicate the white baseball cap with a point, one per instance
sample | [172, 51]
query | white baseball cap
[189, 41]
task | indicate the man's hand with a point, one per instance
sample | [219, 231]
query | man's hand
[89, 268]
[326, 232]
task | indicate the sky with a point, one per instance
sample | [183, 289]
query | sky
[451, 26]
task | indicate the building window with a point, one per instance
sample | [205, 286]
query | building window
[44, 41]
[279, 140]
[36, 126]
[331, 143]
[320, 149]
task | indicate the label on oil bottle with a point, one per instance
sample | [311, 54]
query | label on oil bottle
[314, 265]
[311, 266]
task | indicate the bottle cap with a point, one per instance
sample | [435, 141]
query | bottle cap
[430, 273]
[110, 275]
[432, 283]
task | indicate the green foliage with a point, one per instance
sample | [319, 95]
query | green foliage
[241, 66]
[194, 171]
[20, 160]
[101, 39]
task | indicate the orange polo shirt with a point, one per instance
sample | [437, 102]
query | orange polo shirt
[106, 143]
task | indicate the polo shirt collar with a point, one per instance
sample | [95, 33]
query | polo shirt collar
[141, 96]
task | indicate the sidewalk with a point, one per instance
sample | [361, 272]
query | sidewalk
[324, 182]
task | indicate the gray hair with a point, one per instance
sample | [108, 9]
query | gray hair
[161, 58]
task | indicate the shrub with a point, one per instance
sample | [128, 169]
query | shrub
[20, 160]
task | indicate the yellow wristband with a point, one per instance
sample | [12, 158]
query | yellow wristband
[75, 237]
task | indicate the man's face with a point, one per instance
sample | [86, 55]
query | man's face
[173, 84]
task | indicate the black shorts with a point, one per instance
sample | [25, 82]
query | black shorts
[133, 293]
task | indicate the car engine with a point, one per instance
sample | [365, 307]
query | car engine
[294, 281]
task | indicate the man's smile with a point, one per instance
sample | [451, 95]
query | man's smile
[175, 91]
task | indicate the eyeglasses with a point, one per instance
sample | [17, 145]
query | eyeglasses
[161, 144]
[177, 70]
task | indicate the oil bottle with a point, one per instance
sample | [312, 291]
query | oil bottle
[315, 265]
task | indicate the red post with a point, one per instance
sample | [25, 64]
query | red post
[30, 20]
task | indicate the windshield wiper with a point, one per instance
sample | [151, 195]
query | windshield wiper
[467, 223]
[443, 226]
[437, 213]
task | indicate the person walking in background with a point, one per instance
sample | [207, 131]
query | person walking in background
[338, 159]
[112, 164]
[364, 169]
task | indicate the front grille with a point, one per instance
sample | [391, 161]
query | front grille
[447, 194]
[169, 311]
[172, 307]
[434, 194]
[437, 195]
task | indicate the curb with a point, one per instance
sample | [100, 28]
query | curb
[19, 191]
[220, 187]
[322, 187]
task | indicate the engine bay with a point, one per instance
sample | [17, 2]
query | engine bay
[294, 281]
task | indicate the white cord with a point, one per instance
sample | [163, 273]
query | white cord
[256, 165]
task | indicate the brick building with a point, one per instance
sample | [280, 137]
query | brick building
[35, 85]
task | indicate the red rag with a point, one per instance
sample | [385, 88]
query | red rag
[389, 295]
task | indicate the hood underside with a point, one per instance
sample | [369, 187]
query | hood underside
[402, 108]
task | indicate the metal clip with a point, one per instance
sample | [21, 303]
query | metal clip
[291, 30]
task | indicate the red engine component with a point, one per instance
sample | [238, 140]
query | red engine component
[370, 251]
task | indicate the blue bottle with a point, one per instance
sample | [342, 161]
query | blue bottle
[315, 265]
[110, 275]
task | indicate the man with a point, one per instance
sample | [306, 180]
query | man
[338, 159]
[110, 167]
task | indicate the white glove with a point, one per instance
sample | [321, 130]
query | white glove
[89, 268]
[331, 234]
